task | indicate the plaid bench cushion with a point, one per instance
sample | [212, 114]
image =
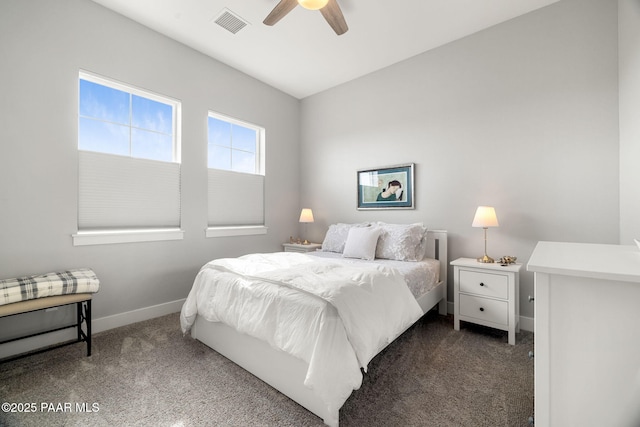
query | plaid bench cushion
[76, 281]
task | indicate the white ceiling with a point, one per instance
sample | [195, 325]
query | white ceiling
[301, 55]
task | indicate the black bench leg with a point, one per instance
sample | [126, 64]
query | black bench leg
[87, 319]
[83, 313]
[79, 320]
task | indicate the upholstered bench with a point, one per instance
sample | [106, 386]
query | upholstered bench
[39, 293]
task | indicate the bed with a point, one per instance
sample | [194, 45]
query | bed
[308, 324]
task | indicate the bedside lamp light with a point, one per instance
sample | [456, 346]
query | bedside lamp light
[485, 217]
[306, 216]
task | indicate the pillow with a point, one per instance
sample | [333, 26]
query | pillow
[402, 242]
[336, 236]
[361, 243]
[421, 250]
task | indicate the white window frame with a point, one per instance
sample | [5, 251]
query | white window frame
[128, 235]
[239, 229]
[94, 78]
[260, 143]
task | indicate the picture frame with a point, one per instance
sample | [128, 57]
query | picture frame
[389, 187]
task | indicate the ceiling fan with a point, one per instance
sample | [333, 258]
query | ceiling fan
[329, 9]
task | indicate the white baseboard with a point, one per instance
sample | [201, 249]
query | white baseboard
[97, 325]
[28, 344]
[526, 323]
[129, 317]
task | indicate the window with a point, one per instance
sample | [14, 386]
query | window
[236, 177]
[120, 120]
[233, 145]
[129, 163]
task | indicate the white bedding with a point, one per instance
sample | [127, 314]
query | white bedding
[345, 314]
[420, 277]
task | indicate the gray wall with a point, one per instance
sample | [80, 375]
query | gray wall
[629, 72]
[43, 44]
[522, 116]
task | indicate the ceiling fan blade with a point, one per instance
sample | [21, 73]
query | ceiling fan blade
[279, 12]
[334, 17]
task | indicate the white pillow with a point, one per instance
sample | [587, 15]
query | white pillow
[361, 243]
[402, 242]
[336, 236]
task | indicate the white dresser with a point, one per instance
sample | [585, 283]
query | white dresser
[587, 334]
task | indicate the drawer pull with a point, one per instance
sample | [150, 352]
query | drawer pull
[481, 308]
[481, 284]
[531, 298]
[531, 355]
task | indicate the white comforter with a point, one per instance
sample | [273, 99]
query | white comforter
[335, 316]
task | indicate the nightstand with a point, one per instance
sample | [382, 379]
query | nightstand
[299, 247]
[487, 294]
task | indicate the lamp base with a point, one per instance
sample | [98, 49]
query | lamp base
[486, 259]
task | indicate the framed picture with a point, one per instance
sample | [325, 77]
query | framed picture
[386, 188]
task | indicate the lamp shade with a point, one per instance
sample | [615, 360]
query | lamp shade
[306, 215]
[485, 217]
[313, 4]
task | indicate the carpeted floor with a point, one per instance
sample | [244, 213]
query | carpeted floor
[148, 374]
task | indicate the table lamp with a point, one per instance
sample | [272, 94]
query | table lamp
[485, 217]
[306, 216]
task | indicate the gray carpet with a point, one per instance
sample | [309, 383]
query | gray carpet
[148, 374]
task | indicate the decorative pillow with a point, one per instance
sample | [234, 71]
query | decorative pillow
[336, 236]
[361, 243]
[402, 242]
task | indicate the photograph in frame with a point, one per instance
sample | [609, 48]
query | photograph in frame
[388, 187]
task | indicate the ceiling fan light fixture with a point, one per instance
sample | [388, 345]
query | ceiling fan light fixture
[313, 4]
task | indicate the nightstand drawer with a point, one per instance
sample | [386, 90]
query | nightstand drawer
[484, 284]
[486, 309]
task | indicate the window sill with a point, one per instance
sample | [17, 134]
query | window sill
[246, 230]
[105, 237]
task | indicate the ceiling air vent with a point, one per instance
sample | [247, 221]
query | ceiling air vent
[230, 21]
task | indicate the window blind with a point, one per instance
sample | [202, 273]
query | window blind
[235, 198]
[117, 192]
